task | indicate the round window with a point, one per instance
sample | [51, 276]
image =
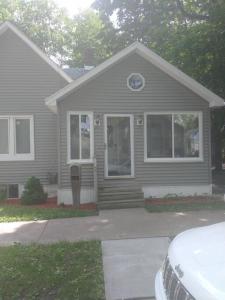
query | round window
[135, 82]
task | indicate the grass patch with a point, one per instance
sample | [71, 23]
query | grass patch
[57, 271]
[185, 207]
[10, 213]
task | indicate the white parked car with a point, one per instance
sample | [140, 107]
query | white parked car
[195, 266]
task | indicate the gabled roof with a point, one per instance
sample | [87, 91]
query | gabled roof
[150, 56]
[7, 25]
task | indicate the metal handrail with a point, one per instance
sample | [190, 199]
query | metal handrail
[95, 178]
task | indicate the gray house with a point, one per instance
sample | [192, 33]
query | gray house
[136, 125]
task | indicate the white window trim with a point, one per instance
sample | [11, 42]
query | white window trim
[80, 161]
[136, 74]
[12, 155]
[174, 159]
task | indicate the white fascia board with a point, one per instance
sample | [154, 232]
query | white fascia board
[22, 36]
[153, 58]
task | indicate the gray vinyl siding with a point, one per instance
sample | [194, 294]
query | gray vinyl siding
[108, 93]
[25, 81]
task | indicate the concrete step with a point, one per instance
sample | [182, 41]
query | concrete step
[118, 189]
[121, 192]
[120, 196]
[131, 203]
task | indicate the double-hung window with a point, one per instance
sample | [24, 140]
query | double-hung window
[16, 138]
[80, 137]
[175, 136]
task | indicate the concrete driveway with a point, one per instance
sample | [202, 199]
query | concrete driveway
[130, 267]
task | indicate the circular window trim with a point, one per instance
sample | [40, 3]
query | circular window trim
[136, 74]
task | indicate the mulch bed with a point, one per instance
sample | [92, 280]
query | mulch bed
[51, 203]
[182, 200]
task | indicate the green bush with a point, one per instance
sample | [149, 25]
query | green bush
[33, 192]
[3, 196]
[3, 192]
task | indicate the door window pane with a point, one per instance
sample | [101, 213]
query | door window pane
[85, 136]
[22, 136]
[74, 137]
[159, 136]
[186, 135]
[4, 139]
[119, 146]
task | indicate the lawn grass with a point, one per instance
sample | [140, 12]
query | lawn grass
[11, 213]
[58, 271]
[219, 205]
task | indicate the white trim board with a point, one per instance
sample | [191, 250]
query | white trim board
[150, 56]
[178, 190]
[87, 195]
[37, 50]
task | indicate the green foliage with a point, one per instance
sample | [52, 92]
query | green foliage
[11, 213]
[3, 195]
[87, 47]
[33, 192]
[181, 207]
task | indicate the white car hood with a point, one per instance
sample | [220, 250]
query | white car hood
[200, 254]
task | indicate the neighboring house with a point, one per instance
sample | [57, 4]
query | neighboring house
[137, 125]
[75, 73]
[28, 134]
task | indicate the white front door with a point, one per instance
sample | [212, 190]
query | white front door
[119, 145]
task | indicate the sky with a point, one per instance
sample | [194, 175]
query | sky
[74, 6]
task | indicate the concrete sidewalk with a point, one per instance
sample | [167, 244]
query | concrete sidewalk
[109, 225]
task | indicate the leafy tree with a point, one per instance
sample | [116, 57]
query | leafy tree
[86, 45]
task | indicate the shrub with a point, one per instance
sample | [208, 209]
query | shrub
[3, 192]
[33, 192]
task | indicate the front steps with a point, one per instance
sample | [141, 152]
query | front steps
[110, 197]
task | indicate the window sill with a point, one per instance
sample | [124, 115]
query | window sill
[17, 158]
[80, 161]
[173, 160]
[120, 177]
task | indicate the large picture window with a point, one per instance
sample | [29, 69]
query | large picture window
[17, 138]
[80, 136]
[173, 136]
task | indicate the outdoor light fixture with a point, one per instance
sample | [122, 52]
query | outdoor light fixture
[140, 120]
[97, 120]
